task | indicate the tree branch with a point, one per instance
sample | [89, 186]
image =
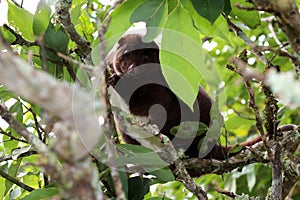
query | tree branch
[15, 181]
[146, 135]
[62, 8]
[76, 109]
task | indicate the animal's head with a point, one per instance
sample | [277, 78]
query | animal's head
[131, 53]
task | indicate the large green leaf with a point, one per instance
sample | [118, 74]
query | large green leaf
[163, 174]
[57, 39]
[181, 55]
[119, 23]
[120, 18]
[214, 131]
[20, 19]
[41, 18]
[209, 9]
[138, 187]
[218, 29]
[250, 18]
[134, 154]
[147, 158]
[235, 122]
[227, 7]
[154, 13]
[187, 129]
[76, 12]
[44, 193]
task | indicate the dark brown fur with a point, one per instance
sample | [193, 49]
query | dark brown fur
[143, 87]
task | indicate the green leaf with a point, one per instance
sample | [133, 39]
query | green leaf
[154, 13]
[41, 18]
[235, 149]
[139, 155]
[235, 122]
[218, 29]
[124, 180]
[164, 174]
[83, 78]
[76, 12]
[120, 18]
[44, 193]
[12, 171]
[214, 131]
[209, 9]
[181, 55]
[187, 130]
[250, 18]
[9, 144]
[120, 22]
[147, 158]
[5, 94]
[251, 173]
[57, 39]
[21, 20]
[18, 109]
[2, 187]
[138, 187]
[32, 178]
[8, 36]
[227, 7]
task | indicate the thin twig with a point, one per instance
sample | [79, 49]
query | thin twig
[17, 4]
[241, 115]
[19, 39]
[225, 192]
[259, 122]
[11, 136]
[31, 138]
[252, 101]
[22, 155]
[251, 44]
[15, 181]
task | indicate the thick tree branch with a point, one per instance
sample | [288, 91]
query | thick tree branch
[42, 89]
[146, 136]
[75, 107]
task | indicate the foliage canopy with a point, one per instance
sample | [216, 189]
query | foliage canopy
[244, 53]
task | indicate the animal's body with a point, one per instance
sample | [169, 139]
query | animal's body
[137, 77]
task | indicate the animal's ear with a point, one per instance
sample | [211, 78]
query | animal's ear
[121, 41]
